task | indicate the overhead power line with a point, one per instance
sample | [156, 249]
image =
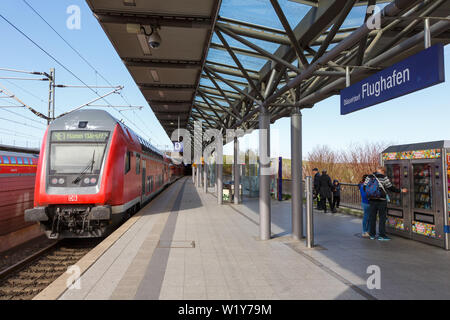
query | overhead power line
[21, 123]
[88, 63]
[25, 117]
[63, 66]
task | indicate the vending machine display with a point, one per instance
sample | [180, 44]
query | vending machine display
[395, 219]
[393, 172]
[448, 188]
[422, 186]
[423, 213]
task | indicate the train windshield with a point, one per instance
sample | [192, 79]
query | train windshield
[74, 158]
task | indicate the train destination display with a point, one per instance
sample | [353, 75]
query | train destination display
[79, 136]
[417, 72]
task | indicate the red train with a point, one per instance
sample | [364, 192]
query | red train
[17, 174]
[93, 173]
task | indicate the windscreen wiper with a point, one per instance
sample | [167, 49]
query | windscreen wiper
[90, 164]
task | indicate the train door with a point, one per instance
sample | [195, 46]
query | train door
[399, 213]
[427, 211]
[144, 176]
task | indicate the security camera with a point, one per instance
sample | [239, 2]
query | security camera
[154, 41]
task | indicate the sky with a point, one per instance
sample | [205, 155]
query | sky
[418, 117]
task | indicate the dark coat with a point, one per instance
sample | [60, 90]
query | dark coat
[325, 186]
[316, 183]
[336, 189]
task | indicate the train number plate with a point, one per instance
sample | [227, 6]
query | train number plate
[72, 197]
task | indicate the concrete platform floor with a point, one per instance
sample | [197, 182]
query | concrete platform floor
[185, 246]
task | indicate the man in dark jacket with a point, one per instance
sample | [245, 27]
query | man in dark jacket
[316, 195]
[325, 187]
[379, 205]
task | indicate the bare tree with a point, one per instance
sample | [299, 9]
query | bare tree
[345, 165]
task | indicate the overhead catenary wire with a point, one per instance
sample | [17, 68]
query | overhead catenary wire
[17, 134]
[90, 65]
[22, 116]
[26, 91]
[21, 123]
[24, 71]
[63, 66]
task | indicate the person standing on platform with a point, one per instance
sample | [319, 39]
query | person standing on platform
[336, 195]
[316, 195]
[375, 186]
[365, 206]
[325, 187]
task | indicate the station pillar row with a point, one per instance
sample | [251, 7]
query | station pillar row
[219, 182]
[237, 172]
[264, 175]
[296, 173]
[205, 178]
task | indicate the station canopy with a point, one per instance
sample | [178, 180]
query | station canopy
[222, 62]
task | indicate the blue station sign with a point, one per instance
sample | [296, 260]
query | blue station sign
[417, 72]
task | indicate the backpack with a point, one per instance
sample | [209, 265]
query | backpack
[373, 190]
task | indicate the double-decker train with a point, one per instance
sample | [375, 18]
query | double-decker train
[17, 174]
[93, 173]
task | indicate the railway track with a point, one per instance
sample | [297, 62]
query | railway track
[30, 276]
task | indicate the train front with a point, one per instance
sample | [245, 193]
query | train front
[71, 200]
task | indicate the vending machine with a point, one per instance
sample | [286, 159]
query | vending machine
[423, 212]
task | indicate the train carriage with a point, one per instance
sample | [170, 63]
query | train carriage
[17, 174]
[93, 173]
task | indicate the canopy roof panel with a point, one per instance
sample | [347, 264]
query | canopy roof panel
[221, 62]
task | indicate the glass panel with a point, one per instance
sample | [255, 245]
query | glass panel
[25, 160]
[13, 160]
[5, 160]
[394, 174]
[19, 160]
[422, 186]
[76, 157]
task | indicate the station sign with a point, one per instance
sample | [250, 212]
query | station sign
[417, 72]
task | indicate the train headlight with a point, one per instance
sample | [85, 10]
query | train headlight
[60, 181]
[54, 181]
[86, 181]
[93, 180]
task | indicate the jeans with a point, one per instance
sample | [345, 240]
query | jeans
[365, 222]
[380, 207]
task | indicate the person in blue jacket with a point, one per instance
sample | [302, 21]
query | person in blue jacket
[366, 208]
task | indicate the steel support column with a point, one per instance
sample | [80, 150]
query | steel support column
[264, 175]
[237, 172]
[296, 173]
[205, 178]
[215, 178]
[219, 183]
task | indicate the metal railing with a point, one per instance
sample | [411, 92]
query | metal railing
[350, 196]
